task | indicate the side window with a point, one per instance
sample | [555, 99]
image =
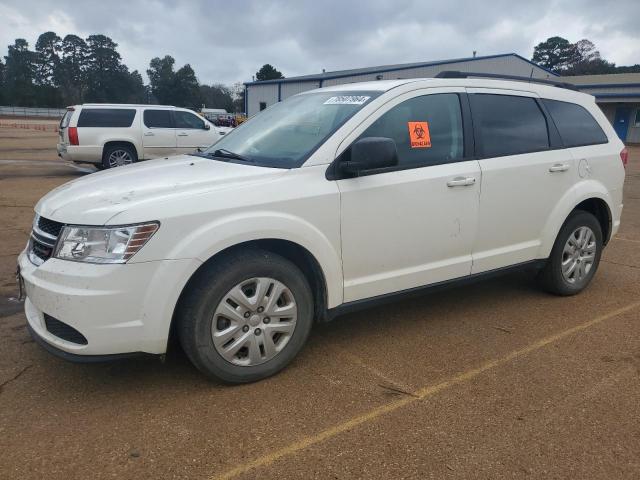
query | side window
[427, 130]
[575, 124]
[188, 120]
[105, 117]
[158, 119]
[508, 125]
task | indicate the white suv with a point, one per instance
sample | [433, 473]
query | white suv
[115, 135]
[325, 202]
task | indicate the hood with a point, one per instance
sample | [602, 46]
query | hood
[96, 198]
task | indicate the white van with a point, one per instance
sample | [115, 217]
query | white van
[334, 199]
[112, 135]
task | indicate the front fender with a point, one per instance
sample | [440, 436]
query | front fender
[581, 191]
[206, 241]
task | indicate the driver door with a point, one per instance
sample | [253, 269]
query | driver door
[414, 225]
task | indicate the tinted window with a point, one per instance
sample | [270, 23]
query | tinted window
[575, 124]
[158, 119]
[106, 117]
[66, 118]
[188, 120]
[508, 125]
[427, 130]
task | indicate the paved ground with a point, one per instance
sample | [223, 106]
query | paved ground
[493, 380]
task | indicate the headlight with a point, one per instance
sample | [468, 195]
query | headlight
[103, 244]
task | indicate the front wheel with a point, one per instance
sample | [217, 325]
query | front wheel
[246, 316]
[575, 255]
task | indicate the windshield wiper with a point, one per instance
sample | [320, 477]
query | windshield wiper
[221, 152]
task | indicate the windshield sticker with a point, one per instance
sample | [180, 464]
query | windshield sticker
[347, 100]
[419, 134]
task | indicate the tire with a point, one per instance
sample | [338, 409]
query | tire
[118, 155]
[570, 282]
[206, 310]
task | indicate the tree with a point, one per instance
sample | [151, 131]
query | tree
[587, 60]
[48, 48]
[104, 70]
[238, 92]
[217, 96]
[72, 72]
[268, 72]
[179, 88]
[2, 82]
[555, 54]
[162, 78]
[19, 74]
[186, 88]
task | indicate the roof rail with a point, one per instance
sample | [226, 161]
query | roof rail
[500, 76]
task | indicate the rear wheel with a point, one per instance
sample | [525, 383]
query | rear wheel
[118, 156]
[575, 255]
[246, 316]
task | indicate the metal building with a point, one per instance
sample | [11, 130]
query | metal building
[618, 95]
[260, 95]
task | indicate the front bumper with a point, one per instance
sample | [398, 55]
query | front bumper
[119, 309]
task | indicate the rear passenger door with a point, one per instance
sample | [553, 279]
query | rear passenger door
[525, 174]
[158, 133]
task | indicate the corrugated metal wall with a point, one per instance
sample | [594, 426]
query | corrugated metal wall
[267, 93]
[510, 65]
[293, 88]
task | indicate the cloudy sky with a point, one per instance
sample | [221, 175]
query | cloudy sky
[228, 41]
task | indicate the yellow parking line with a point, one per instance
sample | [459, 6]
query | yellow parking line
[420, 394]
[626, 239]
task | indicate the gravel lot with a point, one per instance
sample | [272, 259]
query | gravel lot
[491, 380]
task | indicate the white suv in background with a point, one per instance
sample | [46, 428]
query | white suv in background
[331, 200]
[119, 134]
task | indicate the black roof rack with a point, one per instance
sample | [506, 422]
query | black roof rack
[500, 76]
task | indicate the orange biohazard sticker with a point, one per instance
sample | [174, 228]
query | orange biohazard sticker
[419, 134]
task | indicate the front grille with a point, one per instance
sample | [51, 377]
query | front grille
[64, 331]
[49, 226]
[43, 239]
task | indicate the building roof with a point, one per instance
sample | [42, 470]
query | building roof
[387, 68]
[604, 79]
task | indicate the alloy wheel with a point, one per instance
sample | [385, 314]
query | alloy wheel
[578, 255]
[118, 158]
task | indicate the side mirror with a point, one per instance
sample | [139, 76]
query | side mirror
[207, 126]
[370, 154]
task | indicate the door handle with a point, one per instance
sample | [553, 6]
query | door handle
[149, 134]
[461, 182]
[559, 167]
[182, 134]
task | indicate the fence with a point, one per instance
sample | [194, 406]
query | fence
[32, 112]
[43, 127]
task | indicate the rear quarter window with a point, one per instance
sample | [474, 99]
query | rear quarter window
[576, 125]
[106, 117]
[66, 118]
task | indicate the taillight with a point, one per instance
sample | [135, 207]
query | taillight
[73, 136]
[624, 156]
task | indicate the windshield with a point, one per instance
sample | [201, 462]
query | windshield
[287, 133]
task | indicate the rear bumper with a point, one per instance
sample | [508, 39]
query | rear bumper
[79, 153]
